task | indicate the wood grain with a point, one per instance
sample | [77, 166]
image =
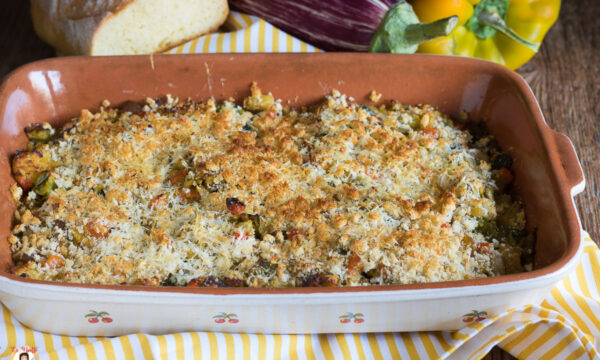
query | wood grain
[564, 75]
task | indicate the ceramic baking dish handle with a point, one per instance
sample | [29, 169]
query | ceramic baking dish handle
[570, 163]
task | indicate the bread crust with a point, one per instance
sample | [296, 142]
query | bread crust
[70, 25]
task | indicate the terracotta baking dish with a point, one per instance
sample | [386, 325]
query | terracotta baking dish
[546, 169]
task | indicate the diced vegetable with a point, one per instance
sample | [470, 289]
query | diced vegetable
[373, 273]
[158, 201]
[235, 206]
[77, 237]
[504, 176]
[211, 184]
[255, 218]
[131, 107]
[189, 194]
[266, 268]
[477, 211]
[54, 261]
[251, 224]
[40, 133]
[427, 130]
[171, 280]
[44, 184]
[368, 110]
[292, 233]
[501, 160]
[178, 176]
[258, 101]
[240, 236]
[484, 247]
[234, 282]
[353, 263]
[321, 280]
[245, 227]
[211, 281]
[27, 166]
[97, 230]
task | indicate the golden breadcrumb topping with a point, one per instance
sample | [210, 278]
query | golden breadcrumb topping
[205, 194]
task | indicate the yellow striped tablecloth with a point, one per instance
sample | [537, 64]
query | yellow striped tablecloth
[246, 34]
[566, 325]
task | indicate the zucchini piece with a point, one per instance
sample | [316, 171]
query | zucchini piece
[255, 218]
[44, 184]
[40, 133]
[258, 101]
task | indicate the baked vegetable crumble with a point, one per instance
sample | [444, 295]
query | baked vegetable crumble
[204, 194]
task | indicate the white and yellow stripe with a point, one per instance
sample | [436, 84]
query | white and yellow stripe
[245, 34]
[564, 326]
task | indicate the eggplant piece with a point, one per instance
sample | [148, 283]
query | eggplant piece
[132, 107]
[501, 160]
[255, 218]
[214, 282]
[355, 25]
[171, 280]
[321, 280]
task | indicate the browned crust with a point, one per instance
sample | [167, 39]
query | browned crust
[81, 9]
[55, 31]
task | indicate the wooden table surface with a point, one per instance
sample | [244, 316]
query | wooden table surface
[564, 75]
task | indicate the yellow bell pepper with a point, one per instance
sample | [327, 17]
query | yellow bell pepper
[504, 31]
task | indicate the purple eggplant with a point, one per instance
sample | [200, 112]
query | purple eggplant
[349, 25]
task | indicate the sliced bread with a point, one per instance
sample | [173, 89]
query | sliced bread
[116, 27]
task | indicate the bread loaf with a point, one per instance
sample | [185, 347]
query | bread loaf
[114, 27]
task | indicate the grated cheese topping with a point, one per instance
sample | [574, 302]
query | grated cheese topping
[206, 194]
